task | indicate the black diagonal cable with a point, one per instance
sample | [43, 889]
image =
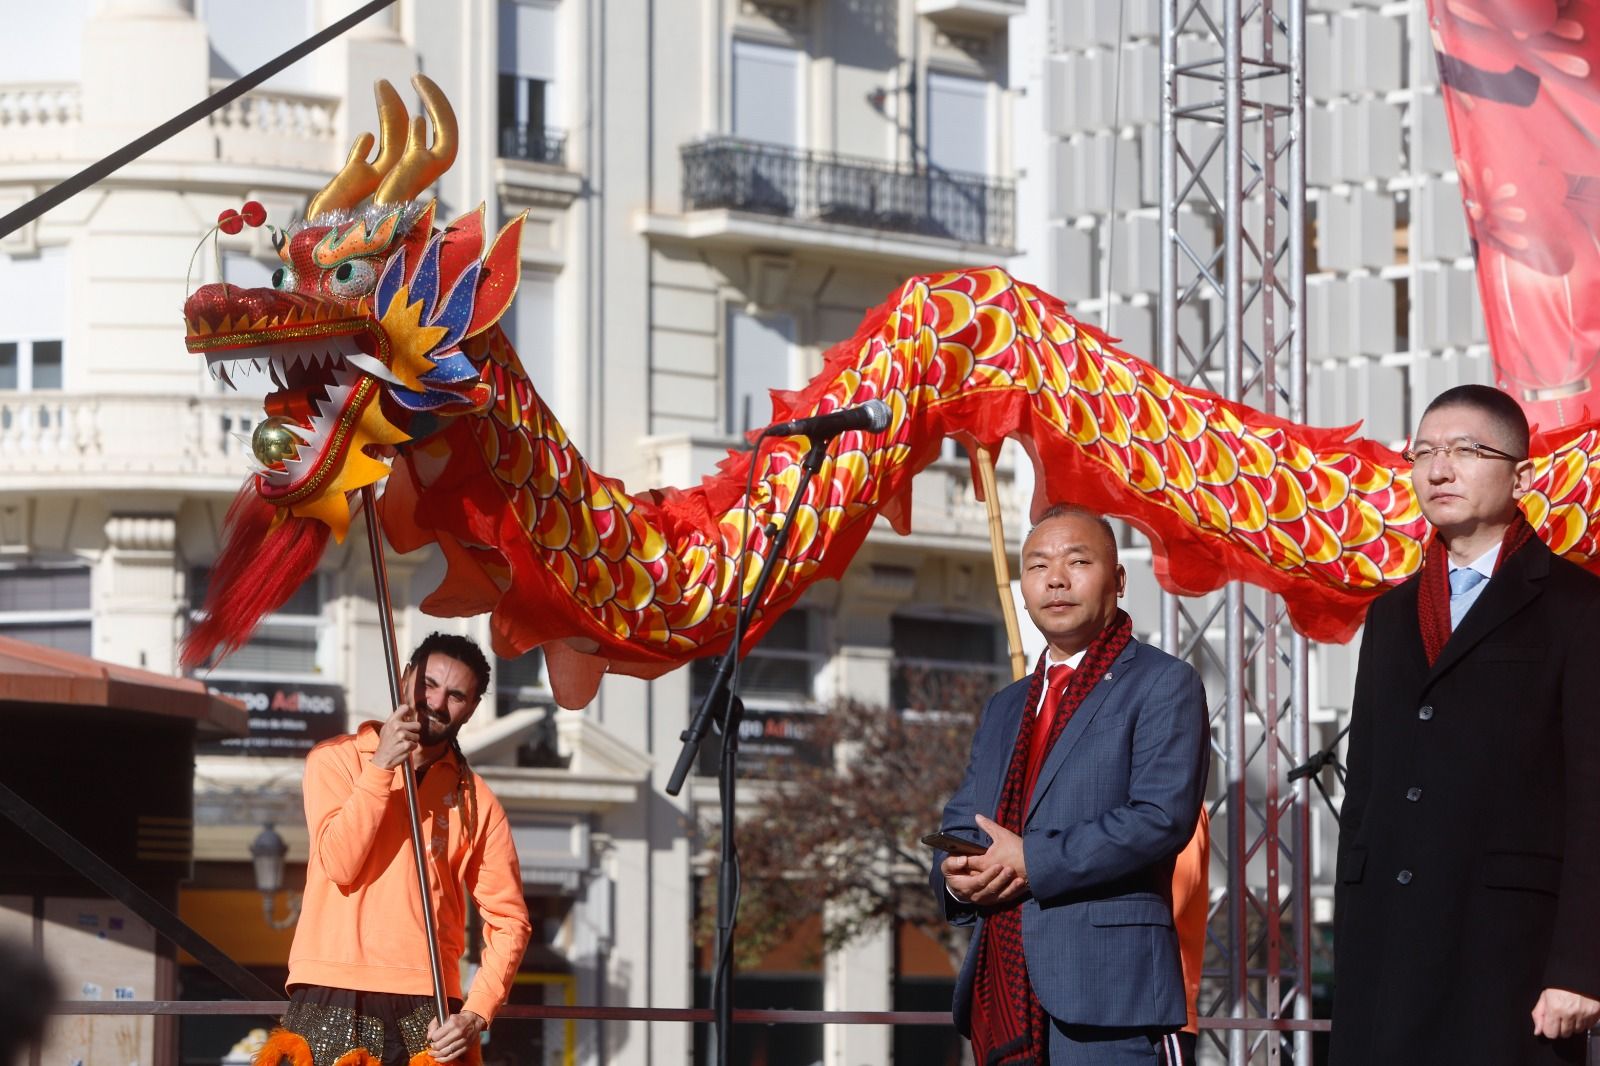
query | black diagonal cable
[134, 149]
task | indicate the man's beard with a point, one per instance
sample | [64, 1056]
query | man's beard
[435, 732]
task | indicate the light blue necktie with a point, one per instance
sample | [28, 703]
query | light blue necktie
[1464, 581]
[1464, 590]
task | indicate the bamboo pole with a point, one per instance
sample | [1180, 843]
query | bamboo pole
[1002, 567]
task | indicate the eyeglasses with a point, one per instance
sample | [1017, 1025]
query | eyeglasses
[1466, 449]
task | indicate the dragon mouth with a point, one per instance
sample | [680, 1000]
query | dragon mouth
[317, 388]
[322, 363]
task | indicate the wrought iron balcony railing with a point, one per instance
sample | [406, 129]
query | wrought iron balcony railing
[535, 144]
[726, 172]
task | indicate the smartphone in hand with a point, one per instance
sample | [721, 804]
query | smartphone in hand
[953, 845]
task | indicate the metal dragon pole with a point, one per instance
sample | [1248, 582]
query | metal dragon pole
[391, 659]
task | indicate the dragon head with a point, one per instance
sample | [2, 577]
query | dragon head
[363, 326]
[365, 333]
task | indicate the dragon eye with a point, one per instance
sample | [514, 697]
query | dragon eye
[283, 279]
[353, 278]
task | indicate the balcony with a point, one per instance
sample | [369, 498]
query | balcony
[268, 128]
[740, 192]
[278, 128]
[77, 441]
[39, 121]
[534, 144]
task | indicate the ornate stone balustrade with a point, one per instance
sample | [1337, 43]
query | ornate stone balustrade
[266, 127]
[38, 120]
[63, 440]
[274, 127]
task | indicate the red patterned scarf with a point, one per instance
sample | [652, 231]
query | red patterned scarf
[1433, 595]
[1008, 1024]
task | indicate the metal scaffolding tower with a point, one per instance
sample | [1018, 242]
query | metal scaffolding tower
[1231, 320]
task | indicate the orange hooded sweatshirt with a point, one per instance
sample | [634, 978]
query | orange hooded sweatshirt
[361, 919]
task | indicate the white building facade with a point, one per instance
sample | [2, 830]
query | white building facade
[716, 191]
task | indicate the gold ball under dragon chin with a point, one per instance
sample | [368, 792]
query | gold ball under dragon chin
[381, 334]
[274, 443]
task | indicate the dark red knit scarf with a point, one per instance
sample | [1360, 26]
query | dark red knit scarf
[1008, 1024]
[1433, 595]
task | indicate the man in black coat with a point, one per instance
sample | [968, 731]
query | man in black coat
[1467, 927]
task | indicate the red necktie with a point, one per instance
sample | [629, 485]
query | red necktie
[1057, 678]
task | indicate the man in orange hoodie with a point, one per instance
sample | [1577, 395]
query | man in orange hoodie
[359, 980]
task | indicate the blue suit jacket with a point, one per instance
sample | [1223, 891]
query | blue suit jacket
[1116, 800]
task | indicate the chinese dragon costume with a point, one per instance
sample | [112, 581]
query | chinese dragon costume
[381, 332]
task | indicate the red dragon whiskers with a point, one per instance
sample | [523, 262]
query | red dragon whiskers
[263, 561]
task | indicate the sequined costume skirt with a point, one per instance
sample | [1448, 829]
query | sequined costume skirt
[341, 1027]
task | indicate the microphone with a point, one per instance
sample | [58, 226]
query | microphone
[872, 416]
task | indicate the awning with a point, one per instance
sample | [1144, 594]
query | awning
[31, 674]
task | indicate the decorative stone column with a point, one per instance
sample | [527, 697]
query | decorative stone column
[138, 613]
[166, 46]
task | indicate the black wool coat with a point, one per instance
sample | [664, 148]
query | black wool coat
[1469, 845]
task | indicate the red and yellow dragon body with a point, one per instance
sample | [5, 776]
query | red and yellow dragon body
[382, 332]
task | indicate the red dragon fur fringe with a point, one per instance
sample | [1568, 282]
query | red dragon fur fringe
[264, 558]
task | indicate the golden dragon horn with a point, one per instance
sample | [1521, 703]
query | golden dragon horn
[358, 178]
[421, 165]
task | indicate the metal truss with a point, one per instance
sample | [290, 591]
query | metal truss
[1231, 320]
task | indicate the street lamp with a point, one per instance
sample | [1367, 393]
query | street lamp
[267, 852]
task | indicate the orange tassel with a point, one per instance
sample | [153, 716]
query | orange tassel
[359, 1057]
[284, 1048]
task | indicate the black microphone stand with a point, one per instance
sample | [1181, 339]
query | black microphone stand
[1314, 766]
[723, 705]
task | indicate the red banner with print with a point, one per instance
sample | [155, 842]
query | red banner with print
[1521, 83]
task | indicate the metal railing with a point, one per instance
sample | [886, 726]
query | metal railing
[534, 144]
[543, 1012]
[769, 179]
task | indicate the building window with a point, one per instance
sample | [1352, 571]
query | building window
[958, 145]
[780, 672]
[520, 683]
[944, 663]
[760, 359]
[766, 94]
[47, 604]
[33, 321]
[287, 643]
[765, 112]
[527, 82]
[30, 365]
[531, 328]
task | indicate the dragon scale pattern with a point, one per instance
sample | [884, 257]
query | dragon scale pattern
[1225, 491]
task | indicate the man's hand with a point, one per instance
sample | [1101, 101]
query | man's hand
[1560, 1014]
[997, 877]
[451, 1039]
[401, 734]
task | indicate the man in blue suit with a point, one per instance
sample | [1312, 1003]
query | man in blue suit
[1084, 783]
